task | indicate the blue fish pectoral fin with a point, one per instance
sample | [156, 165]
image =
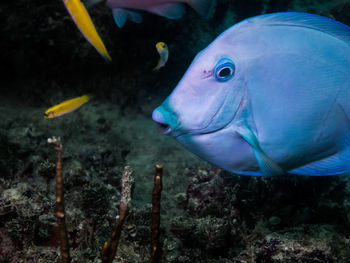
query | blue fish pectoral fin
[168, 10]
[203, 7]
[267, 166]
[120, 16]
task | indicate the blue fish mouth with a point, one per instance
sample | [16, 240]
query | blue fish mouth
[163, 128]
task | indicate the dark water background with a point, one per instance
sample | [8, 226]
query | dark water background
[208, 215]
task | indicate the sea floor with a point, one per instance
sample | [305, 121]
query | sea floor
[207, 215]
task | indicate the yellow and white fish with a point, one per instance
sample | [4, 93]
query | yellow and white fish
[66, 107]
[163, 51]
[83, 21]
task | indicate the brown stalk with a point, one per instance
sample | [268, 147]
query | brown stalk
[109, 249]
[155, 225]
[60, 213]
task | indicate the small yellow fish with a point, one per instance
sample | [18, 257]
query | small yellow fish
[83, 21]
[163, 51]
[66, 107]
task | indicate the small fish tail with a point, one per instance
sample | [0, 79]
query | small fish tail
[106, 57]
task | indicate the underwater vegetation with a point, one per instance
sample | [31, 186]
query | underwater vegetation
[207, 214]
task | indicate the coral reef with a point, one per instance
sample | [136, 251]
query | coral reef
[109, 249]
[284, 219]
[156, 246]
[60, 210]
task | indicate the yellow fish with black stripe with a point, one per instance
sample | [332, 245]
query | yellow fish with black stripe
[66, 107]
[83, 21]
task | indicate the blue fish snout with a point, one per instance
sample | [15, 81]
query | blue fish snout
[159, 116]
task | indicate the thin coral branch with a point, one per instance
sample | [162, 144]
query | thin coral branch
[155, 226]
[165, 251]
[109, 249]
[60, 212]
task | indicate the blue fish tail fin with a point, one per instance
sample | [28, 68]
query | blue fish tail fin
[203, 7]
[90, 3]
[120, 16]
[168, 10]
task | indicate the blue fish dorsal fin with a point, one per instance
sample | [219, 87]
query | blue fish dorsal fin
[168, 10]
[311, 21]
[120, 16]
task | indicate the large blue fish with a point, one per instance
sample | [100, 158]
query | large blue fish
[271, 95]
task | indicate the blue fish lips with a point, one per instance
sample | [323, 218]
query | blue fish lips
[162, 124]
[169, 123]
[166, 120]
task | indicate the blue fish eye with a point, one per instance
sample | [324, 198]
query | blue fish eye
[224, 70]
